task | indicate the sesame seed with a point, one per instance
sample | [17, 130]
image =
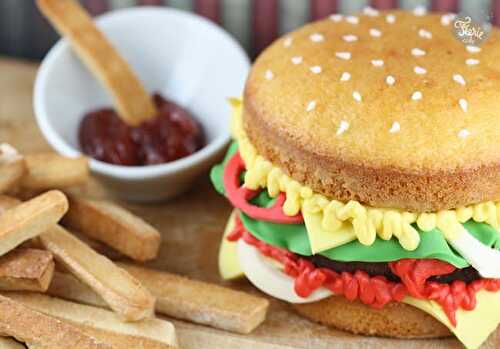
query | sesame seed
[297, 60]
[390, 80]
[459, 79]
[336, 17]
[311, 106]
[343, 55]
[377, 62]
[416, 96]
[316, 69]
[473, 49]
[418, 52]
[345, 76]
[344, 126]
[420, 11]
[425, 34]
[357, 96]
[472, 61]
[352, 19]
[370, 11]
[390, 18]
[396, 127]
[287, 42]
[464, 133]
[350, 38]
[269, 75]
[317, 37]
[375, 33]
[419, 70]
[463, 104]
[446, 19]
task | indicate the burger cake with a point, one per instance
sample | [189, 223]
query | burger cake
[365, 177]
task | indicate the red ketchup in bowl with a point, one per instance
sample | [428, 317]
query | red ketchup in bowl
[172, 134]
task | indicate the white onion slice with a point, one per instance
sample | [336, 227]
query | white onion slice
[484, 259]
[270, 280]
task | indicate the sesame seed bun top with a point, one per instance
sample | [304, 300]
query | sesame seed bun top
[391, 91]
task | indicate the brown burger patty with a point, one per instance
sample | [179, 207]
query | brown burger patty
[467, 275]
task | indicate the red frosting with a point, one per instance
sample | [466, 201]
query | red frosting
[376, 291]
[240, 196]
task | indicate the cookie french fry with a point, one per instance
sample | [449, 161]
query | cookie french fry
[98, 246]
[115, 226]
[103, 324]
[9, 343]
[181, 298]
[132, 101]
[186, 299]
[65, 285]
[26, 269]
[40, 330]
[12, 167]
[30, 218]
[122, 292]
[52, 171]
[7, 202]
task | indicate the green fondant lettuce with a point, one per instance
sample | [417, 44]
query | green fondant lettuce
[217, 171]
[293, 237]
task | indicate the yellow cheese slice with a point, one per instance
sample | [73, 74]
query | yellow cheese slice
[473, 327]
[229, 264]
[321, 239]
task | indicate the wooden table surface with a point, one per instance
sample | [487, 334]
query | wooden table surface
[191, 226]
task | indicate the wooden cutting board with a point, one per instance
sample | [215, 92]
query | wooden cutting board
[192, 226]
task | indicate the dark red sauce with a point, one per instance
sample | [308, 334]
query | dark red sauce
[171, 135]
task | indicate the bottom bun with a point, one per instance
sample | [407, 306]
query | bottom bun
[396, 320]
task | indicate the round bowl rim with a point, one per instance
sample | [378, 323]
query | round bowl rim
[118, 171]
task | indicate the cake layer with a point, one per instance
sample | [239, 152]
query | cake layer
[398, 115]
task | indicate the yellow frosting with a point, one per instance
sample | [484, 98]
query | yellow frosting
[366, 222]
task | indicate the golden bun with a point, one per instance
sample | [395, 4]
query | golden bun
[321, 104]
[395, 320]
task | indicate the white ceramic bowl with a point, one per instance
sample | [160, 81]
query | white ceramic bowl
[185, 57]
